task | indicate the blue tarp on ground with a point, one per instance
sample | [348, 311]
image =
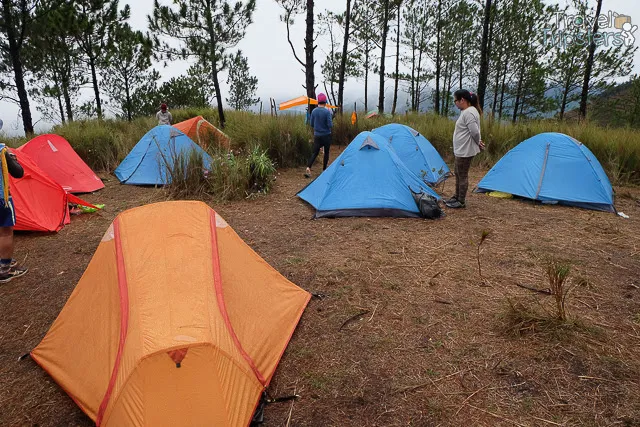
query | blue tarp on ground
[367, 179]
[148, 161]
[416, 152]
[552, 167]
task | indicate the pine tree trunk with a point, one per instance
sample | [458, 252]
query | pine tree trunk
[495, 92]
[61, 107]
[484, 54]
[96, 91]
[503, 89]
[310, 81]
[16, 64]
[413, 76]
[436, 101]
[343, 60]
[461, 59]
[518, 93]
[128, 102]
[67, 98]
[565, 95]
[395, 87]
[366, 78]
[385, 30]
[589, 66]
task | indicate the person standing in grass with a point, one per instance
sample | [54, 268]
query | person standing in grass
[8, 266]
[164, 116]
[467, 143]
[321, 122]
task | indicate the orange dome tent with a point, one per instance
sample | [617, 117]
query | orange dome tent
[202, 132]
[175, 322]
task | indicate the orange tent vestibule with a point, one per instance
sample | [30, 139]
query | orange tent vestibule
[202, 132]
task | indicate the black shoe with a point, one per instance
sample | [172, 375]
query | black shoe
[450, 200]
[456, 204]
[11, 273]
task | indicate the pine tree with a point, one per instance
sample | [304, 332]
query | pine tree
[16, 21]
[94, 26]
[366, 37]
[129, 60]
[242, 85]
[206, 30]
[292, 8]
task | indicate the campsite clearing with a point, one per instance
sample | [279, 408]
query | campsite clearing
[407, 333]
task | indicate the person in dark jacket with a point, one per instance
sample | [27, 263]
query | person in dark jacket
[321, 122]
[9, 268]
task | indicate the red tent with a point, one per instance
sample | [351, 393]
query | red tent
[54, 155]
[41, 203]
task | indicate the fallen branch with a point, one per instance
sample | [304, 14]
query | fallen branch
[353, 318]
[442, 301]
[531, 288]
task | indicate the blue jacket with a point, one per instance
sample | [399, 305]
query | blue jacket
[321, 121]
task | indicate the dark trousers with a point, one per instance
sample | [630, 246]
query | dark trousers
[462, 166]
[320, 141]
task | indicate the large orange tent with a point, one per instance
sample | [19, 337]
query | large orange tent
[301, 100]
[202, 132]
[175, 322]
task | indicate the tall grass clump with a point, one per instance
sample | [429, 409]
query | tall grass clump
[186, 174]
[286, 139]
[102, 144]
[543, 316]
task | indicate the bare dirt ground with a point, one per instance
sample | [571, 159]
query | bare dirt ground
[408, 333]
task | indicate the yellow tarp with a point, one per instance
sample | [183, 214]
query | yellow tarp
[500, 195]
[301, 100]
[176, 321]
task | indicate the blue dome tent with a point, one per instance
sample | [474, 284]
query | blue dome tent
[367, 179]
[151, 158]
[552, 168]
[416, 152]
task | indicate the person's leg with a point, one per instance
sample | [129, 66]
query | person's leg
[456, 169]
[316, 150]
[327, 145]
[8, 267]
[465, 165]
[6, 246]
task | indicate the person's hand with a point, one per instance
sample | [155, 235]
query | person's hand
[482, 146]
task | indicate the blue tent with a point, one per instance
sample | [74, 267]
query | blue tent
[552, 168]
[416, 152]
[367, 179]
[151, 158]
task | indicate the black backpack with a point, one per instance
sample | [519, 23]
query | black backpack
[427, 205]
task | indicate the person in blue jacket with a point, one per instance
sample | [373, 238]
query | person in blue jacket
[321, 122]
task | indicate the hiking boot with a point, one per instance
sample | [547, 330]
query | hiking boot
[455, 204]
[11, 273]
[450, 200]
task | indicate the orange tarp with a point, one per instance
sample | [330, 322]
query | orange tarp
[202, 132]
[176, 321]
[301, 100]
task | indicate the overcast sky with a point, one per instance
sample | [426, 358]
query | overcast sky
[270, 58]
